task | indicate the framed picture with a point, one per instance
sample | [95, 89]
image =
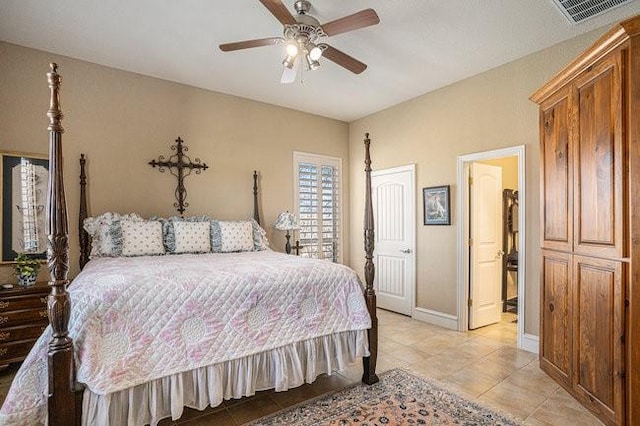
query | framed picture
[25, 178]
[437, 208]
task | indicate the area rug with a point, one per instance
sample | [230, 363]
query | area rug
[400, 398]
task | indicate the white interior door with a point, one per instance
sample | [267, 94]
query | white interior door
[393, 199]
[485, 211]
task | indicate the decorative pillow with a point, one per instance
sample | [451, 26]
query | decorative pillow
[168, 229]
[141, 238]
[106, 233]
[236, 236]
[260, 241]
[192, 237]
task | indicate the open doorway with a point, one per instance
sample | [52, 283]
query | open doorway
[491, 241]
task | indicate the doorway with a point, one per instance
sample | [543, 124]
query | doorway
[393, 197]
[505, 297]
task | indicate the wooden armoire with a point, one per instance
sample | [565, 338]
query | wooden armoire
[590, 226]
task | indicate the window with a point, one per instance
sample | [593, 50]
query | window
[317, 197]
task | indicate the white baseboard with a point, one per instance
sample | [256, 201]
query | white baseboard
[530, 343]
[436, 318]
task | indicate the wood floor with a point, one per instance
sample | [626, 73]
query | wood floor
[483, 364]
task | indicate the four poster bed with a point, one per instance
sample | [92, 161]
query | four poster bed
[152, 334]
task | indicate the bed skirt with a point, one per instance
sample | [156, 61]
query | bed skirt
[280, 369]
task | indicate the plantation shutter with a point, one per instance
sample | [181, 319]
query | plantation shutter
[318, 205]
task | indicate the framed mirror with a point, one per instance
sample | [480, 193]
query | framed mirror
[25, 178]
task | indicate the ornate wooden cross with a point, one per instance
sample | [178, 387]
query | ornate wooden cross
[181, 166]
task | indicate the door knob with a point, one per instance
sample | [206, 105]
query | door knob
[499, 254]
[406, 251]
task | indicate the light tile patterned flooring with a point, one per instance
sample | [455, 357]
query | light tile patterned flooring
[483, 364]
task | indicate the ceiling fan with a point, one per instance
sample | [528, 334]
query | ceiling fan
[301, 36]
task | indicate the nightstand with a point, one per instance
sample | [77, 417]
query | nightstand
[23, 318]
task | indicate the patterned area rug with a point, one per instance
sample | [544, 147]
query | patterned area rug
[400, 398]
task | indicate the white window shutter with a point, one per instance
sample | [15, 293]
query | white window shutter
[317, 197]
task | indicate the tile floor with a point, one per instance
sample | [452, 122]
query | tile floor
[483, 364]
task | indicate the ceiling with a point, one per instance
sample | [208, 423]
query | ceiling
[419, 45]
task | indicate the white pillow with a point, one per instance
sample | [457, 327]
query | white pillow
[192, 237]
[141, 238]
[236, 236]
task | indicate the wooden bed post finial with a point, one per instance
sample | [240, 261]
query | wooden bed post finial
[55, 114]
[256, 211]
[62, 400]
[369, 363]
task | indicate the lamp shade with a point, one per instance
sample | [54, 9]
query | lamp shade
[286, 222]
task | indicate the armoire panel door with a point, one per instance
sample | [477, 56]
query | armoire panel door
[599, 161]
[556, 154]
[556, 343]
[598, 316]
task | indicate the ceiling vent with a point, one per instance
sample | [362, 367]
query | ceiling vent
[577, 11]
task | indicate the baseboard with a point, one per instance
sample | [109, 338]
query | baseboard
[436, 318]
[530, 343]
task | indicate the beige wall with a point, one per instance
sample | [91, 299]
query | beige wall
[123, 120]
[488, 111]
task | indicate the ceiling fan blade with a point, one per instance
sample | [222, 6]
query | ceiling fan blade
[342, 59]
[364, 18]
[238, 45]
[280, 11]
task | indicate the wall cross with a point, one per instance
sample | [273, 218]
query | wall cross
[181, 166]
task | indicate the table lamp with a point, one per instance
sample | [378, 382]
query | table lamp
[287, 221]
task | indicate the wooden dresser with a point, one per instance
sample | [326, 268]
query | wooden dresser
[590, 226]
[23, 318]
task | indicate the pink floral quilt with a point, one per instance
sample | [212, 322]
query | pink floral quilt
[142, 318]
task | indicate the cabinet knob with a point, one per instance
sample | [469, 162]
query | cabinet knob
[44, 314]
[551, 307]
[43, 300]
[3, 351]
[4, 304]
[4, 335]
[3, 320]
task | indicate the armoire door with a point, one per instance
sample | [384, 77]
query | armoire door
[599, 161]
[598, 315]
[555, 311]
[556, 173]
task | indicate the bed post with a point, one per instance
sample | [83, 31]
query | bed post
[256, 211]
[82, 234]
[62, 402]
[369, 363]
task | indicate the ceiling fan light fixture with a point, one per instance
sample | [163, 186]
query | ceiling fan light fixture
[292, 49]
[315, 53]
[313, 64]
[289, 61]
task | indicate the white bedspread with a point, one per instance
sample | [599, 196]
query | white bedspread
[139, 319]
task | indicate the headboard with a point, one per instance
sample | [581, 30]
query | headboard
[85, 240]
